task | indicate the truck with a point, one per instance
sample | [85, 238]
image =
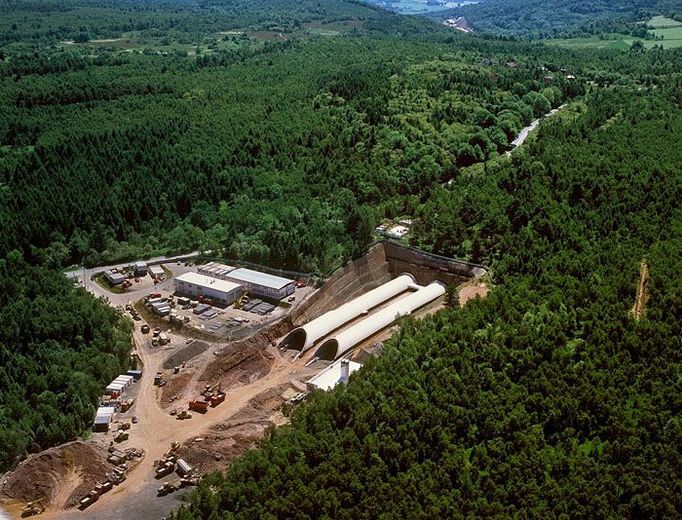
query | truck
[218, 398]
[34, 507]
[198, 406]
[123, 436]
[168, 487]
[165, 469]
[90, 499]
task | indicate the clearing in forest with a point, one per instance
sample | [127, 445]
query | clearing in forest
[640, 300]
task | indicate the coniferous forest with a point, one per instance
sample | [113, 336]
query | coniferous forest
[284, 134]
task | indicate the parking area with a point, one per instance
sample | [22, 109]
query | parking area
[231, 322]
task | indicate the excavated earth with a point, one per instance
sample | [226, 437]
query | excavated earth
[66, 472]
[226, 441]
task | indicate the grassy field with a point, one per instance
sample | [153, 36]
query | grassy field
[661, 22]
[667, 28]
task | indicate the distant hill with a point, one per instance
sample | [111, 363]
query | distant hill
[559, 18]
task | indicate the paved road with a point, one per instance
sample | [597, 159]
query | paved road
[525, 132]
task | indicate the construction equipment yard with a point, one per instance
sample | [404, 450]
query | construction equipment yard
[237, 390]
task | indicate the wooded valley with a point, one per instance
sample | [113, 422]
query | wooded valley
[282, 133]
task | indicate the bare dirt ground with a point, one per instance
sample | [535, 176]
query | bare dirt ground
[471, 291]
[228, 440]
[58, 476]
[639, 307]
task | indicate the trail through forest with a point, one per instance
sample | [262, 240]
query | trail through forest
[639, 307]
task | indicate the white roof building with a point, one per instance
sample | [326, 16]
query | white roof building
[337, 372]
[156, 270]
[262, 284]
[195, 285]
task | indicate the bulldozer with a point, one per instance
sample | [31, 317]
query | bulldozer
[35, 507]
[183, 415]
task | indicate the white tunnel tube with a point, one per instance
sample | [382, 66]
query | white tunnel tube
[346, 340]
[302, 338]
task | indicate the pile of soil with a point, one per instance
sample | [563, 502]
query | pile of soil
[185, 354]
[239, 363]
[41, 475]
[176, 386]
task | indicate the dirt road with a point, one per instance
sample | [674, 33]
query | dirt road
[136, 496]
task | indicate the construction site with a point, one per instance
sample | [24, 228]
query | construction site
[197, 400]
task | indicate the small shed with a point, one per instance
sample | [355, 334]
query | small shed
[140, 268]
[156, 271]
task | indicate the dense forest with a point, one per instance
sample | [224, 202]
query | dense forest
[59, 347]
[25, 22]
[297, 157]
[282, 132]
[538, 19]
[547, 399]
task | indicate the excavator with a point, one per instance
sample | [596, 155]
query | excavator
[240, 301]
[208, 391]
[35, 507]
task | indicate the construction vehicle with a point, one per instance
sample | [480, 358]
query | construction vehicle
[158, 379]
[209, 389]
[241, 301]
[183, 415]
[34, 507]
[145, 329]
[217, 398]
[166, 468]
[125, 405]
[189, 481]
[175, 446]
[169, 487]
[104, 487]
[124, 426]
[199, 406]
[123, 436]
[90, 499]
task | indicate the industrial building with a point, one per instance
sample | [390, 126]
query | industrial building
[195, 285]
[262, 284]
[344, 341]
[140, 268]
[215, 270]
[304, 337]
[156, 271]
[337, 372]
[114, 277]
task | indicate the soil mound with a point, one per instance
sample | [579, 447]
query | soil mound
[42, 475]
[239, 363]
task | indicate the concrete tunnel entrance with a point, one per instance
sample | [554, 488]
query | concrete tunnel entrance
[295, 340]
[328, 350]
